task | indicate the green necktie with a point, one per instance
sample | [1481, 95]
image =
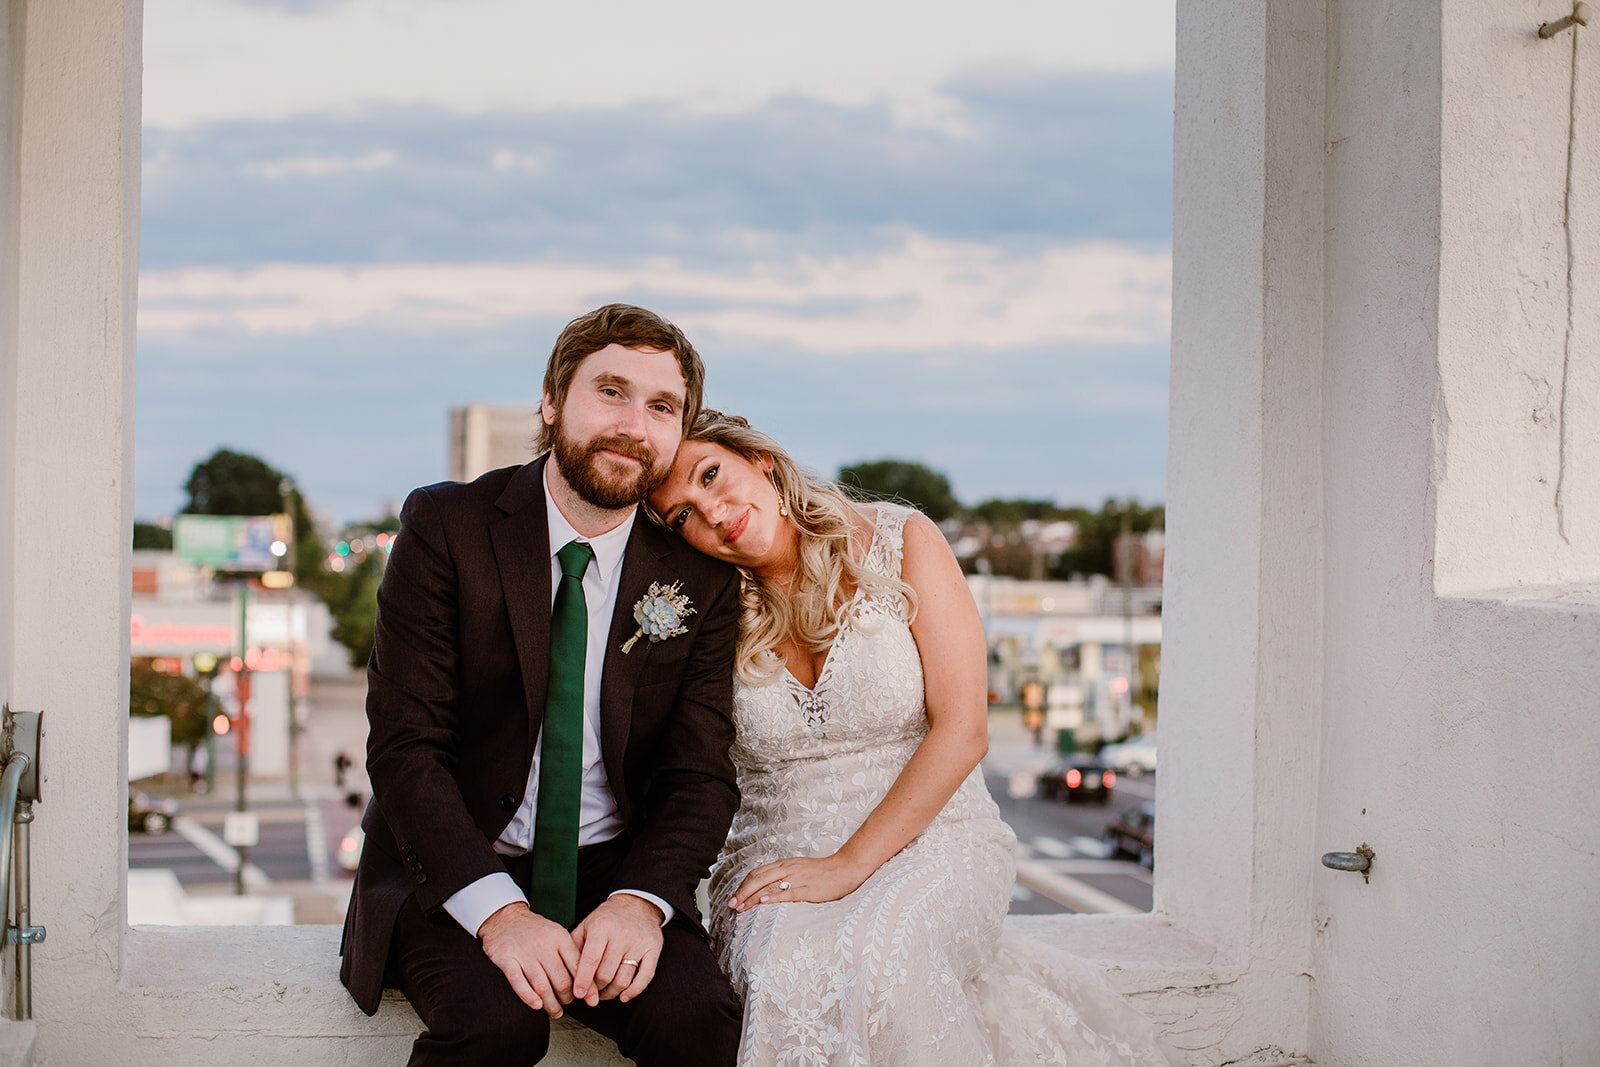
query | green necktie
[553, 882]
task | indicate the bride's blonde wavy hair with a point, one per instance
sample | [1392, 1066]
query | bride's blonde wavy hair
[832, 549]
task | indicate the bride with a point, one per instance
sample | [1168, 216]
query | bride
[857, 904]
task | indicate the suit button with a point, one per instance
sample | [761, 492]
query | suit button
[422, 879]
[508, 803]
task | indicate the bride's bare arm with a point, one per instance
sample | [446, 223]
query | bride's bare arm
[949, 636]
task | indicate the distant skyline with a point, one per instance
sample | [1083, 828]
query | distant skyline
[889, 231]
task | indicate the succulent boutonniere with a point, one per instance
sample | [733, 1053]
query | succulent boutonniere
[660, 614]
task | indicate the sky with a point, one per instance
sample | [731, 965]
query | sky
[892, 230]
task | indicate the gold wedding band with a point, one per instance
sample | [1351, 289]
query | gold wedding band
[783, 885]
[630, 963]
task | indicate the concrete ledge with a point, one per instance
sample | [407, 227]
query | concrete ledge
[1081, 897]
[245, 994]
[1577, 598]
[226, 994]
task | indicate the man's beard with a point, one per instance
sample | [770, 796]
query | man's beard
[579, 462]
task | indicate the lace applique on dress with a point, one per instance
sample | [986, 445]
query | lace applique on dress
[911, 968]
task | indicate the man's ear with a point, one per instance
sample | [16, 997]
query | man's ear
[547, 408]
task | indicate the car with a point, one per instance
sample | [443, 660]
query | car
[149, 813]
[1133, 833]
[1133, 757]
[348, 855]
[1078, 778]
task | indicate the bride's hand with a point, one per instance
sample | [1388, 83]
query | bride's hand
[798, 879]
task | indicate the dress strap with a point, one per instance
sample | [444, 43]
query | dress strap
[888, 543]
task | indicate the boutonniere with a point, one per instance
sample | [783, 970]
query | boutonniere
[660, 614]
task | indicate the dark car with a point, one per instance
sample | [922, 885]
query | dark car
[150, 813]
[1133, 833]
[1079, 778]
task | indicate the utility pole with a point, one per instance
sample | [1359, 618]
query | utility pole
[1128, 547]
[242, 744]
[288, 560]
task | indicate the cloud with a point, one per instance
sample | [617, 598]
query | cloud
[918, 294]
[1043, 159]
[321, 166]
[210, 60]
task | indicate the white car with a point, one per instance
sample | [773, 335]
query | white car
[1133, 757]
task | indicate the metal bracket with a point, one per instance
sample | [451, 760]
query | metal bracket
[1359, 860]
[22, 733]
[28, 935]
[1579, 17]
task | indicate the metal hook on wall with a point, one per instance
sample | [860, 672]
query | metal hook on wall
[1579, 17]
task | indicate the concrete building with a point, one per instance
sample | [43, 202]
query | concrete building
[486, 437]
[1382, 584]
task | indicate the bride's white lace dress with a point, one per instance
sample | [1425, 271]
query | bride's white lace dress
[912, 968]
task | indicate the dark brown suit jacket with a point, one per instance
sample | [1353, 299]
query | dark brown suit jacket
[456, 697]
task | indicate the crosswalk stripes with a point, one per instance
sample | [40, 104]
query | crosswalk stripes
[317, 842]
[220, 852]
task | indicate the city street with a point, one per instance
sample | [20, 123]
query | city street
[1057, 838]
[1060, 851]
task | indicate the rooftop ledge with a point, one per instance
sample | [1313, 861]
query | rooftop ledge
[1582, 598]
[283, 983]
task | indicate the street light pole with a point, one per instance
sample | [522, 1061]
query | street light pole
[242, 745]
[288, 560]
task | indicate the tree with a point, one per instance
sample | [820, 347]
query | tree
[354, 603]
[147, 535]
[998, 512]
[1094, 551]
[183, 700]
[355, 608]
[234, 483]
[896, 479]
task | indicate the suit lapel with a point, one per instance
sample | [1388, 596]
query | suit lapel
[521, 542]
[642, 563]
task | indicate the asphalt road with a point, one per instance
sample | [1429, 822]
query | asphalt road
[298, 841]
[298, 838]
[1066, 839]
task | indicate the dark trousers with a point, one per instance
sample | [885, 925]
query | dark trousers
[687, 1015]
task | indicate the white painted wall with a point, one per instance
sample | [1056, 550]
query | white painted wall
[1519, 234]
[10, 201]
[1370, 289]
[1459, 714]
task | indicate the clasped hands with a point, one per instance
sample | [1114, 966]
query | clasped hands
[610, 955]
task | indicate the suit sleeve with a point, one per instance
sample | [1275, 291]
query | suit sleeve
[412, 690]
[693, 792]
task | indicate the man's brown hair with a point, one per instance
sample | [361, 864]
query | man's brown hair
[630, 327]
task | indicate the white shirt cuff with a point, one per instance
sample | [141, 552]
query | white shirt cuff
[472, 905]
[666, 909]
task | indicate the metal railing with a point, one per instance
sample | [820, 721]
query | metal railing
[21, 737]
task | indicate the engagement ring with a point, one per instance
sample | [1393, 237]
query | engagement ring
[783, 885]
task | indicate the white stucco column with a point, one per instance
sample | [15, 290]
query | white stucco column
[75, 193]
[1242, 614]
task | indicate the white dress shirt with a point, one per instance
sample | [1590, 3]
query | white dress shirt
[597, 811]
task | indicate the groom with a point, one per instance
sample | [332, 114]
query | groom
[549, 781]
